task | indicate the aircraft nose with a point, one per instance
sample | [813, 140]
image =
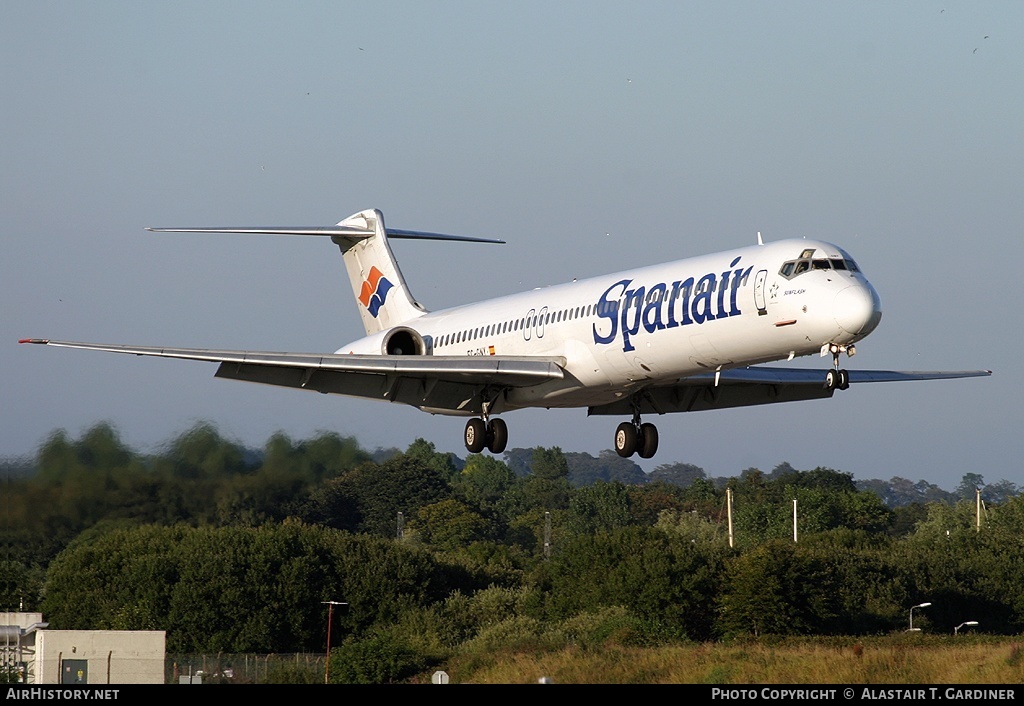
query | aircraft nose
[857, 309]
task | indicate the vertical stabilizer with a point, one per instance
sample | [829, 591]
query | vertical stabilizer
[382, 296]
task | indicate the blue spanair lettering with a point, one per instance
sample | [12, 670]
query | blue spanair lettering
[609, 309]
[663, 306]
[652, 312]
[633, 297]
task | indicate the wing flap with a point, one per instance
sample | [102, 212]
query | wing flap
[809, 376]
[304, 369]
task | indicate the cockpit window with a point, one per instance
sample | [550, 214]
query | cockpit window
[806, 263]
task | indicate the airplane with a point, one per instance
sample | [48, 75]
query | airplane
[683, 336]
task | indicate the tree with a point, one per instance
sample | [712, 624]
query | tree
[969, 485]
[449, 524]
[237, 589]
[672, 584]
[600, 507]
[442, 463]
[777, 588]
[484, 481]
[403, 484]
[608, 466]
[681, 474]
[547, 485]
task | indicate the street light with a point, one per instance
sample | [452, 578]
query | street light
[330, 619]
[969, 622]
[919, 605]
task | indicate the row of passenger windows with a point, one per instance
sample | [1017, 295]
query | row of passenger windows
[652, 296]
[535, 321]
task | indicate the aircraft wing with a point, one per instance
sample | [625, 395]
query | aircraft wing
[741, 387]
[438, 383]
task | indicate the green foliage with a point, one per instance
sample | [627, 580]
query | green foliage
[780, 589]
[232, 549]
[601, 507]
[607, 467]
[379, 658]
[449, 524]
[547, 486]
[236, 589]
[664, 581]
[403, 484]
[681, 474]
[484, 481]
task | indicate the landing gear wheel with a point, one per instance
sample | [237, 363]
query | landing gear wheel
[831, 380]
[648, 441]
[476, 435]
[497, 435]
[626, 439]
[844, 380]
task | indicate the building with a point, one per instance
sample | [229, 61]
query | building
[38, 655]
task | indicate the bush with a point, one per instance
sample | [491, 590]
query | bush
[379, 659]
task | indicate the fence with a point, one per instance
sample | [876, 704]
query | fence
[245, 668]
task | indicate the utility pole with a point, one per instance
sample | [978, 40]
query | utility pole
[547, 535]
[330, 619]
[728, 509]
[977, 511]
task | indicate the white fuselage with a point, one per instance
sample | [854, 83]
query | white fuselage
[623, 331]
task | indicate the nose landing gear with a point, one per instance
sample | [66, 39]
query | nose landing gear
[837, 379]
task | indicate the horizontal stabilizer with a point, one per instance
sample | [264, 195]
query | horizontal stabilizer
[331, 231]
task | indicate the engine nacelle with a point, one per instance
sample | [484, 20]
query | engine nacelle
[405, 341]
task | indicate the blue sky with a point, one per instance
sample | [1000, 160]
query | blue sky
[591, 136]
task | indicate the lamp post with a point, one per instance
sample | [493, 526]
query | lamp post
[919, 605]
[330, 619]
[969, 622]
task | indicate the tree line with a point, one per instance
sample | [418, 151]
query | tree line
[230, 549]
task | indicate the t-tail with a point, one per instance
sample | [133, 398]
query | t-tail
[381, 294]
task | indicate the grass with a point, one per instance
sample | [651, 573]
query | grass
[897, 659]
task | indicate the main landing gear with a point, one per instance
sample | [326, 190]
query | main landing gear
[636, 438]
[837, 379]
[486, 434]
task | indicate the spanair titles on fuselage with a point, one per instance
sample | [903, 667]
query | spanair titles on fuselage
[627, 305]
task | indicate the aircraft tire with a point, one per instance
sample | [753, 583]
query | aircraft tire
[476, 435]
[625, 439]
[497, 435]
[831, 380]
[648, 441]
[844, 380]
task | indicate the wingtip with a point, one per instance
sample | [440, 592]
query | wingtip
[34, 340]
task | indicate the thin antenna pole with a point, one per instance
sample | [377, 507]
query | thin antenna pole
[728, 508]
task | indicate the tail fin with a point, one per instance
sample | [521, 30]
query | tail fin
[381, 294]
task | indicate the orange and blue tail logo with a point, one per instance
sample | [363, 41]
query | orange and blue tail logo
[374, 291]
